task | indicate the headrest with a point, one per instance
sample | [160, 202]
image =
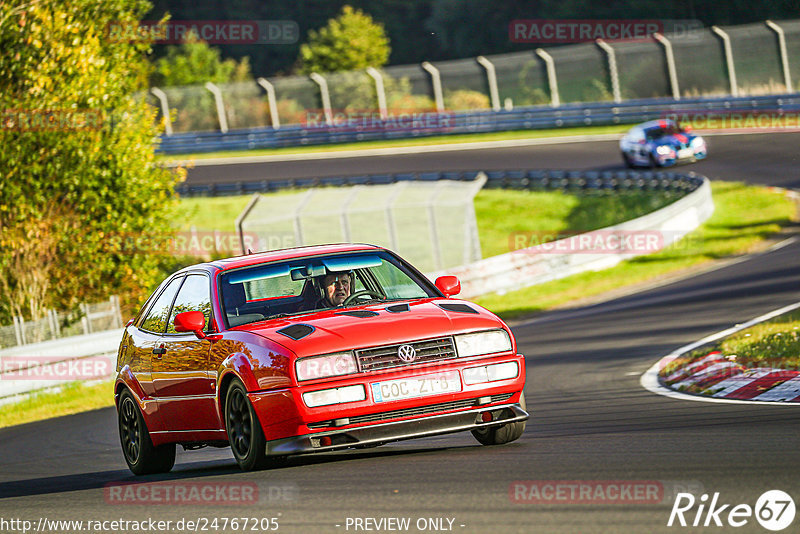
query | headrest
[233, 296]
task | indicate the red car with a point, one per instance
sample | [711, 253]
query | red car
[311, 349]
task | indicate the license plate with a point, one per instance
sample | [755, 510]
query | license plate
[420, 386]
[685, 153]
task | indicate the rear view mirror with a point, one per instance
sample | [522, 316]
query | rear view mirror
[448, 285]
[191, 321]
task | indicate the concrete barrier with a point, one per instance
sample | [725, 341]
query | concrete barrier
[565, 257]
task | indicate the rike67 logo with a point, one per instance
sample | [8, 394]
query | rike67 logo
[774, 510]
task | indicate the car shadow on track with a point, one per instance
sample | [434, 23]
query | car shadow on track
[193, 470]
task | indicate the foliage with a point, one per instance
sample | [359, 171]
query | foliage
[464, 99]
[194, 62]
[77, 160]
[350, 41]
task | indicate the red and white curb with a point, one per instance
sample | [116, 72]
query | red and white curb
[730, 382]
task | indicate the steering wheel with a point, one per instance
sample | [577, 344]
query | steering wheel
[362, 293]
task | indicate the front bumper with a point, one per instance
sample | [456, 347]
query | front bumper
[373, 435]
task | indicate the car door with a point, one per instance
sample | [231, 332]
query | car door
[142, 341]
[184, 386]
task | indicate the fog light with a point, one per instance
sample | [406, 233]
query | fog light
[486, 417]
[491, 373]
[325, 441]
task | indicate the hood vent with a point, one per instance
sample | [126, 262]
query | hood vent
[361, 314]
[397, 308]
[457, 307]
[296, 331]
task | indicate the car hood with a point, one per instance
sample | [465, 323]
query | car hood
[675, 140]
[374, 325]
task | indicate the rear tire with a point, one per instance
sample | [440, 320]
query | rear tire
[142, 457]
[500, 435]
[244, 429]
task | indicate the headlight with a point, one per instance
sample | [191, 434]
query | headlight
[664, 150]
[340, 363]
[487, 342]
[326, 397]
[697, 142]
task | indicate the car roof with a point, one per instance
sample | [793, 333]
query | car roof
[286, 254]
[660, 123]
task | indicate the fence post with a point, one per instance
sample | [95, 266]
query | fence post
[242, 216]
[324, 95]
[552, 81]
[380, 90]
[670, 57]
[783, 53]
[18, 332]
[273, 102]
[85, 322]
[116, 310]
[436, 81]
[223, 120]
[51, 322]
[347, 234]
[431, 208]
[612, 68]
[726, 46]
[491, 78]
[162, 98]
[298, 230]
[390, 200]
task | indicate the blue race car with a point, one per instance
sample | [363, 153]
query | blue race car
[661, 143]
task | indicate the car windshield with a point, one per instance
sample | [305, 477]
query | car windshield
[669, 129]
[305, 285]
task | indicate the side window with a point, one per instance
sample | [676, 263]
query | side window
[156, 320]
[193, 296]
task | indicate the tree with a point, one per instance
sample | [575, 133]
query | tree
[79, 177]
[350, 41]
[194, 62]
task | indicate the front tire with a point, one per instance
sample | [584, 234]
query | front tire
[628, 161]
[499, 435]
[244, 430]
[142, 457]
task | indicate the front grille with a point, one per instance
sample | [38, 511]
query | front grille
[409, 412]
[385, 357]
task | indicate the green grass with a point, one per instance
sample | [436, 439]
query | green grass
[775, 343]
[418, 141]
[744, 216]
[72, 398]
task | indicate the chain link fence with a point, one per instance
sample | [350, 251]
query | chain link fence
[579, 73]
[431, 223]
[89, 318]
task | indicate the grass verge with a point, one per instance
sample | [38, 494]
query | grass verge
[72, 398]
[394, 143]
[744, 217]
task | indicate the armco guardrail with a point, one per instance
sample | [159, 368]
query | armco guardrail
[575, 254]
[445, 123]
[539, 179]
[27, 368]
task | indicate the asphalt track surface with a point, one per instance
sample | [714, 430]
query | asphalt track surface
[591, 419]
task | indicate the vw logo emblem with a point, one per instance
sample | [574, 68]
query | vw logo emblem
[406, 353]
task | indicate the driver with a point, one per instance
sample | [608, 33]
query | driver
[336, 288]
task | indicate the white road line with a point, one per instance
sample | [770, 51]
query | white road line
[649, 379]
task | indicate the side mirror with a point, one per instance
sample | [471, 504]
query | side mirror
[448, 285]
[191, 321]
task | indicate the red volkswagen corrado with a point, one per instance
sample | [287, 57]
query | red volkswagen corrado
[248, 352]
